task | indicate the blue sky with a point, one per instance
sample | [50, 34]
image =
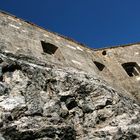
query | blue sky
[96, 23]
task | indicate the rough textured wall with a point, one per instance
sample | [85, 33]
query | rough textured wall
[113, 60]
[47, 97]
[20, 37]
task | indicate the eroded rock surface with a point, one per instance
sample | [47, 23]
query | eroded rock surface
[50, 103]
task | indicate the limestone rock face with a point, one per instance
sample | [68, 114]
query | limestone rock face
[48, 103]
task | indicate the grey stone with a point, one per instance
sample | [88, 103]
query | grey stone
[63, 96]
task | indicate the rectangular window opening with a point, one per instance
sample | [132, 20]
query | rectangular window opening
[48, 48]
[131, 68]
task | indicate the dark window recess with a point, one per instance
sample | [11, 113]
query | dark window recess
[48, 47]
[99, 65]
[132, 68]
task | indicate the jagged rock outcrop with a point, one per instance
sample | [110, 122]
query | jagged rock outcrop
[47, 103]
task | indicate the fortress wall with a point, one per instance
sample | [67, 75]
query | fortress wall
[113, 58]
[20, 37]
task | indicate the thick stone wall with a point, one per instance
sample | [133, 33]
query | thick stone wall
[113, 58]
[22, 39]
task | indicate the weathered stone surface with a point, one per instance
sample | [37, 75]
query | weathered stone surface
[63, 96]
[44, 104]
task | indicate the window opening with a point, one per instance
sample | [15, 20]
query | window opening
[48, 48]
[99, 65]
[131, 68]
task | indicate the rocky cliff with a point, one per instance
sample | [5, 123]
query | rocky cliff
[53, 88]
[43, 102]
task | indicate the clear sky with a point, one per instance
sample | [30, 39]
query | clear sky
[96, 23]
